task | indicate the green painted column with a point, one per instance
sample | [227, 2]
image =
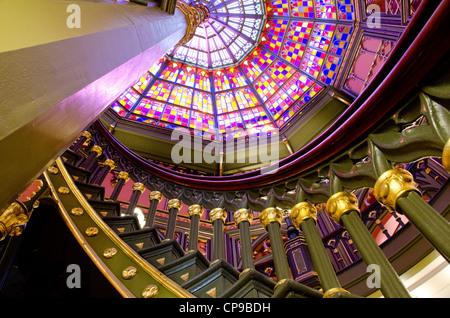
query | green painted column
[343, 208]
[243, 218]
[304, 216]
[195, 211]
[271, 221]
[174, 205]
[154, 197]
[218, 217]
[397, 190]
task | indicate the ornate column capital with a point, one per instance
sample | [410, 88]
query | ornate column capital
[123, 175]
[139, 187]
[195, 209]
[97, 149]
[217, 213]
[13, 219]
[243, 215]
[270, 215]
[155, 195]
[87, 135]
[340, 203]
[302, 211]
[110, 163]
[195, 15]
[174, 203]
[391, 185]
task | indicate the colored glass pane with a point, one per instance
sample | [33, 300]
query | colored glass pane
[176, 115]
[160, 90]
[226, 102]
[181, 96]
[202, 102]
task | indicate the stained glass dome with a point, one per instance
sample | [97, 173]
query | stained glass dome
[251, 66]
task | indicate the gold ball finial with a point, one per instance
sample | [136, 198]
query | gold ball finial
[155, 195]
[110, 163]
[340, 203]
[174, 203]
[243, 215]
[195, 209]
[393, 184]
[446, 156]
[217, 214]
[302, 211]
[270, 215]
[97, 149]
[123, 175]
[139, 187]
[87, 135]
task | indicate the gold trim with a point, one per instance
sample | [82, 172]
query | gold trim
[63, 190]
[150, 291]
[91, 231]
[138, 186]
[155, 195]
[174, 203]
[195, 209]
[129, 272]
[446, 156]
[270, 215]
[53, 170]
[171, 286]
[332, 291]
[217, 214]
[76, 211]
[109, 252]
[243, 215]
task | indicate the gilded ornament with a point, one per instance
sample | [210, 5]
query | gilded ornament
[91, 231]
[76, 211]
[155, 195]
[109, 252]
[340, 203]
[393, 184]
[150, 291]
[53, 170]
[446, 156]
[194, 16]
[174, 203]
[87, 135]
[302, 211]
[217, 214]
[110, 163]
[195, 209]
[123, 175]
[243, 215]
[97, 149]
[129, 272]
[63, 190]
[139, 187]
[13, 219]
[270, 215]
[330, 292]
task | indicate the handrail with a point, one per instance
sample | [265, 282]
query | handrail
[425, 42]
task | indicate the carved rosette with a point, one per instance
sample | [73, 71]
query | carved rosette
[195, 15]
[243, 215]
[217, 214]
[270, 215]
[139, 187]
[195, 209]
[13, 219]
[123, 175]
[174, 203]
[340, 203]
[303, 211]
[393, 184]
[155, 195]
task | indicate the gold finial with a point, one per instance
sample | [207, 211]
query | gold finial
[446, 156]
[13, 219]
[330, 292]
[391, 185]
[217, 214]
[243, 215]
[302, 211]
[195, 209]
[174, 203]
[129, 272]
[110, 163]
[155, 195]
[139, 187]
[87, 134]
[341, 203]
[123, 175]
[270, 215]
[97, 149]
[150, 291]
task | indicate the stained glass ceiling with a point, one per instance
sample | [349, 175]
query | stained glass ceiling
[251, 66]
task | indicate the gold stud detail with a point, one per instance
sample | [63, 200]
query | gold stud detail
[63, 190]
[340, 203]
[109, 252]
[150, 291]
[76, 211]
[91, 231]
[195, 209]
[217, 214]
[174, 203]
[139, 187]
[270, 215]
[302, 211]
[53, 170]
[243, 215]
[155, 195]
[129, 272]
